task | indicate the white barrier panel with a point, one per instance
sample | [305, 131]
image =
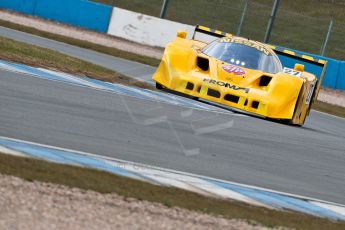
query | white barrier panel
[145, 29]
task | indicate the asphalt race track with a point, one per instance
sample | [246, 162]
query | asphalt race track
[308, 161]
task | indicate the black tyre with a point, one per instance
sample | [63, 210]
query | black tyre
[159, 86]
[300, 97]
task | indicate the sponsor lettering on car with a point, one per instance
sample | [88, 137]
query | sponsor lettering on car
[249, 43]
[225, 84]
[233, 69]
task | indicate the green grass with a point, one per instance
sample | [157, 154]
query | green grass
[103, 182]
[19, 52]
[300, 24]
[84, 44]
[329, 108]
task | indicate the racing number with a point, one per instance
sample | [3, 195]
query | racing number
[292, 72]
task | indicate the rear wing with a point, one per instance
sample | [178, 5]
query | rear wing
[209, 31]
[318, 65]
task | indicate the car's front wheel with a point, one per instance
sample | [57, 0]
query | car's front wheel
[159, 86]
[299, 116]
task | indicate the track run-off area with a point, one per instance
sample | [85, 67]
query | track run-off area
[168, 131]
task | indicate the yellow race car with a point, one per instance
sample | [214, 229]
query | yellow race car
[239, 73]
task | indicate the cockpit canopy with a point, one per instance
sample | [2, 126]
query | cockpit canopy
[244, 53]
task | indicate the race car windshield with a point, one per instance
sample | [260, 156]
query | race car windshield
[244, 56]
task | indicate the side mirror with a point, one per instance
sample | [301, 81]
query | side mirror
[299, 67]
[197, 48]
[181, 34]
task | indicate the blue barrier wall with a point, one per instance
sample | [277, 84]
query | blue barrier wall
[335, 72]
[22, 6]
[81, 13]
[340, 82]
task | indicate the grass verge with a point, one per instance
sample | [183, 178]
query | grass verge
[83, 44]
[329, 108]
[103, 182]
[40, 57]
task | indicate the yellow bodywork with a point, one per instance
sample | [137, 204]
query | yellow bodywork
[286, 97]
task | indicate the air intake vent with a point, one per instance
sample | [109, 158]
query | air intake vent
[198, 89]
[190, 86]
[264, 81]
[202, 63]
[213, 93]
[255, 104]
[232, 98]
